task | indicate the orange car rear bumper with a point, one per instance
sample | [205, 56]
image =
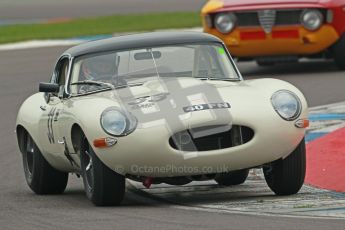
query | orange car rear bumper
[284, 40]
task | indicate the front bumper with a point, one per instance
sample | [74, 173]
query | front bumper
[147, 152]
[283, 41]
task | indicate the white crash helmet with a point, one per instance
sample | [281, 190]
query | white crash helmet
[99, 68]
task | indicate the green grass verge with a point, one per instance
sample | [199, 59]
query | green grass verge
[99, 25]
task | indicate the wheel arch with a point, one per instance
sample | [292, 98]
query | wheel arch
[22, 132]
[21, 136]
[77, 135]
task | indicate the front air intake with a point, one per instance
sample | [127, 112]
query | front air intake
[211, 138]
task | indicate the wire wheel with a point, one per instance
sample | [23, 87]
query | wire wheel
[29, 157]
[89, 170]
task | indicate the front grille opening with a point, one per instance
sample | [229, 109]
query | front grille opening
[211, 138]
[283, 17]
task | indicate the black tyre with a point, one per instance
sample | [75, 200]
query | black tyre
[339, 53]
[40, 176]
[286, 176]
[103, 186]
[265, 63]
[232, 178]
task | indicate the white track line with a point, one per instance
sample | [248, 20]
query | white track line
[39, 44]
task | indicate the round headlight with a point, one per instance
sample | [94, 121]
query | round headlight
[287, 104]
[312, 19]
[116, 123]
[225, 22]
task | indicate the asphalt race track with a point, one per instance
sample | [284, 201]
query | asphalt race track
[21, 209]
[48, 9]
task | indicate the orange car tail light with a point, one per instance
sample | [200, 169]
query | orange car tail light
[302, 123]
[104, 142]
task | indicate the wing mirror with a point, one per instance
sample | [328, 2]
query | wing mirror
[49, 87]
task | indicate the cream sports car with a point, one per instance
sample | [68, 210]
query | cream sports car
[159, 108]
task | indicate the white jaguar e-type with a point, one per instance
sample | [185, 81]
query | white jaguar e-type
[159, 108]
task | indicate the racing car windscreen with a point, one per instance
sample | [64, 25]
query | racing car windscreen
[135, 67]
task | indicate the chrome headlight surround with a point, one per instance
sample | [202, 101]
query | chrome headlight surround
[225, 22]
[312, 19]
[286, 104]
[116, 122]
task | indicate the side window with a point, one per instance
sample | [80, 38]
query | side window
[60, 74]
[61, 71]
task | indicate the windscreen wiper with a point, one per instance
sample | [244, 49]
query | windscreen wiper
[223, 79]
[218, 79]
[97, 83]
[127, 85]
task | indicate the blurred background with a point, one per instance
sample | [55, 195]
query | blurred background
[29, 10]
[83, 20]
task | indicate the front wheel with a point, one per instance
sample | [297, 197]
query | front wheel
[265, 63]
[41, 177]
[286, 176]
[103, 186]
[339, 53]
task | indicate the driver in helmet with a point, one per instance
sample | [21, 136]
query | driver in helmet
[101, 68]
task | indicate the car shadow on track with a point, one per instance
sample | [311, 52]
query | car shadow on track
[189, 195]
[78, 197]
[208, 194]
[211, 196]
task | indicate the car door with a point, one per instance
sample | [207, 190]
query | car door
[51, 110]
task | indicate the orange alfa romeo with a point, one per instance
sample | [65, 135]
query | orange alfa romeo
[274, 31]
